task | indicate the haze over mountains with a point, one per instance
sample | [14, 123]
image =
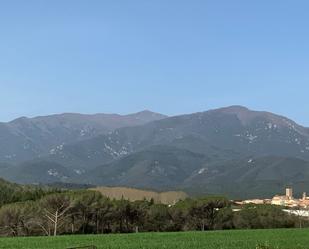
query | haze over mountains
[233, 151]
[27, 138]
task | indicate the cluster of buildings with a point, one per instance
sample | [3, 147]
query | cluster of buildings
[286, 200]
[289, 201]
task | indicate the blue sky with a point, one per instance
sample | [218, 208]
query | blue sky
[169, 56]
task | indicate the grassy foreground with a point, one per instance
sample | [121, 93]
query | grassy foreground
[241, 239]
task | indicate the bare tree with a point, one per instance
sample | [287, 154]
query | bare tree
[55, 209]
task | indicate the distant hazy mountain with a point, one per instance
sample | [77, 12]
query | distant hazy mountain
[230, 150]
[235, 130]
[251, 177]
[37, 171]
[164, 168]
[158, 167]
[28, 138]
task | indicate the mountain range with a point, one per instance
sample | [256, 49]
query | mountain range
[233, 151]
[27, 138]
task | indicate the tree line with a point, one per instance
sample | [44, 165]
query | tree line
[11, 192]
[89, 212]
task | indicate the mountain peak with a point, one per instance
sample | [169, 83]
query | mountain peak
[148, 115]
[234, 109]
[247, 116]
[20, 119]
[146, 111]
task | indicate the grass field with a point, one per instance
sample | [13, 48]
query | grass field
[241, 239]
[134, 194]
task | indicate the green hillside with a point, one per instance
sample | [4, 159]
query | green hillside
[158, 167]
[11, 192]
[168, 168]
[251, 177]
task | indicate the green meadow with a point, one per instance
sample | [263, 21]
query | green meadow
[236, 239]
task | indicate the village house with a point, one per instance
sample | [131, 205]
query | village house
[289, 201]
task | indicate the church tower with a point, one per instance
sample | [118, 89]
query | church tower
[289, 193]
